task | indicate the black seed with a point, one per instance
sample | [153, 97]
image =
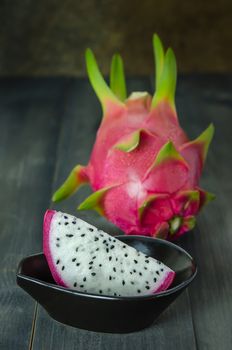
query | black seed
[91, 229]
[134, 271]
[110, 258]
[112, 247]
[57, 239]
[78, 264]
[104, 241]
[114, 269]
[84, 279]
[116, 259]
[57, 245]
[65, 217]
[83, 235]
[115, 294]
[159, 262]
[75, 284]
[161, 270]
[90, 267]
[96, 239]
[59, 223]
[73, 222]
[145, 268]
[147, 287]
[147, 261]
[74, 259]
[100, 291]
[123, 282]
[82, 286]
[69, 236]
[77, 249]
[140, 274]
[131, 273]
[110, 278]
[107, 244]
[107, 250]
[62, 267]
[100, 265]
[132, 282]
[66, 223]
[124, 246]
[155, 280]
[139, 291]
[97, 249]
[136, 262]
[93, 273]
[78, 228]
[126, 255]
[57, 261]
[146, 256]
[157, 272]
[94, 257]
[147, 282]
[91, 263]
[114, 240]
[122, 271]
[109, 239]
[101, 235]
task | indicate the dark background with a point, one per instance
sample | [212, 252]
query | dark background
[48, 124]
[48, 37]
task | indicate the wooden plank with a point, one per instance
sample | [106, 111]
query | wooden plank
[208, 99]
[174, 330]
[29, 124]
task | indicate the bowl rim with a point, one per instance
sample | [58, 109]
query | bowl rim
[167, 292]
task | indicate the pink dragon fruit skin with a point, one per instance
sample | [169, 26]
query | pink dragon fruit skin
[143, 169]
[71, 245]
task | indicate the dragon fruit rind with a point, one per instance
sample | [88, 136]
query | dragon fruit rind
[143, 169]
[84, 258]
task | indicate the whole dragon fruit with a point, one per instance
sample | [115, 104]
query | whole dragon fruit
[143, 169]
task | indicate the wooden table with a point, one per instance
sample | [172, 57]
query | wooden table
[47, 126]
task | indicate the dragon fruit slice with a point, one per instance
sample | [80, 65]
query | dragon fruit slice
[84, 258]
[142, 160]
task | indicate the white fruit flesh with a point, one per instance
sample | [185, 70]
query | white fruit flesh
[84, 258]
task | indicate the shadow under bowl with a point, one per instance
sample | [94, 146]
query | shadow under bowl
[106, 313]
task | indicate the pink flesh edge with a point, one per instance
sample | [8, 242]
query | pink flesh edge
[166, 283]
[46, 248]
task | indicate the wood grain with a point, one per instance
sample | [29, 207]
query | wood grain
[46, 127]
[29, 125]
[211, 243]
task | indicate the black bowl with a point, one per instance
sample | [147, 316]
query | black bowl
[105, 313]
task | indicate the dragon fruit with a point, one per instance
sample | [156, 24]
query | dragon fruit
[84, 258]
[143, 169]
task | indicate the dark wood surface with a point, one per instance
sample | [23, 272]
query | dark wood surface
[49, 125]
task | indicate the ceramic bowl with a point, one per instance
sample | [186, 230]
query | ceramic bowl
[105, 313]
